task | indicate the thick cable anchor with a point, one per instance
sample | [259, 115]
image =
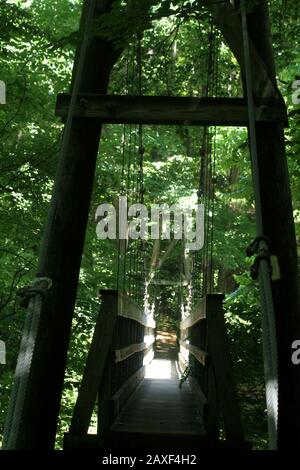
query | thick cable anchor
[38, 286]
[260, 248]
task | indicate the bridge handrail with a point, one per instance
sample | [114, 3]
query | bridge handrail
[127, 308]
[113, 370]
[211, 377]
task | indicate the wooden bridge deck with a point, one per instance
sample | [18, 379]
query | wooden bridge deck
[151, 411]
[159, 413]
[159, 406]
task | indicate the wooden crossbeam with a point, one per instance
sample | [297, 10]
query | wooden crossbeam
[117, 109]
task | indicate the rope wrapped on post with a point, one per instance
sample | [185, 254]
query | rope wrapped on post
[260, 248]
[32, 298]
[38, 286]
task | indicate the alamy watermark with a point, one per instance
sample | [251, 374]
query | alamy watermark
[159, 222]
[2, 92]
[2, 352]
[296, 353]
[296, 93]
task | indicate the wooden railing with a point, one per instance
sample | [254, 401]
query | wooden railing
[204, 355]
[121, 347]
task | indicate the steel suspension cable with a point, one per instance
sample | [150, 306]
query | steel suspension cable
[268, 316]
[213, 164]
[124, 189]
[206, 171]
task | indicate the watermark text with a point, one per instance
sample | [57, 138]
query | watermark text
[160, 222]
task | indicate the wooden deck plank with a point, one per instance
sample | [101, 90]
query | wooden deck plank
[160, 406]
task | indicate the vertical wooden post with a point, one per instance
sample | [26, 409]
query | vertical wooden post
[97, 361]
[61, 256]
[218, 350]
[212, 417]
[104, 395]
[279, 227]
